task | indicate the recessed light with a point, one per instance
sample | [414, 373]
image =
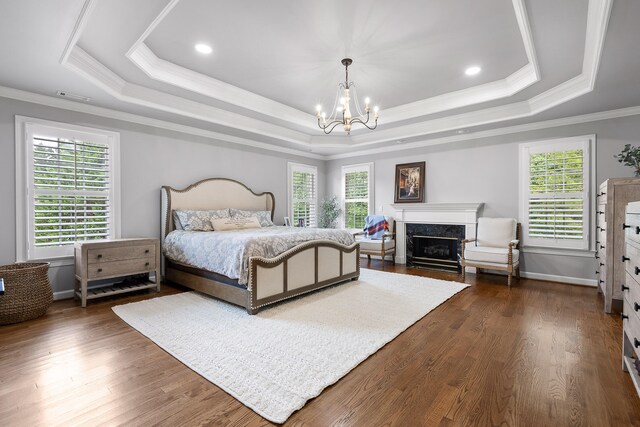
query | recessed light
[461, 131]
[472, 71]
[65, 94]
[203, 48]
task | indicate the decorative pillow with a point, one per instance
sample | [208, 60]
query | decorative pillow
[200, 220]
[176, 221]
[263, 216]
[235, 223]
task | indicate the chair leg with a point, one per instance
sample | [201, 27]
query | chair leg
[463, 271]
[368, 259]
[382, 257]
[509, 279]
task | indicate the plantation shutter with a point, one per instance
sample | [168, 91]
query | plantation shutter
[357, 194]
[356, 198]
[304, 195]
[557, 211]
[71, 199]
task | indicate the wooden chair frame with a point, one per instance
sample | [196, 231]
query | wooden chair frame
[385, 252]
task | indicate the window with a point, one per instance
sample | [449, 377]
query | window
[303, 194]
[555, 179]
[67, 187]
[357, 194]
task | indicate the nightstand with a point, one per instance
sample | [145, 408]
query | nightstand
[119, 258]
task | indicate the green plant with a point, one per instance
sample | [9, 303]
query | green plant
[630, 156]
[329, 212]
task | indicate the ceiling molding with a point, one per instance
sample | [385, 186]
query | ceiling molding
[94, 71]
[527, 127]
[83, 18]
[175, 75]
[81, 107]
[597, 22]
[65, 104]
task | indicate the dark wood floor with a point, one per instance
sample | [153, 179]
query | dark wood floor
[538, 354]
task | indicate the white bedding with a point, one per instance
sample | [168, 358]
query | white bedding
[228, 252]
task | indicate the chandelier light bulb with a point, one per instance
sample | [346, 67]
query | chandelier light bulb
[324, 115]
[318, 108]
[367, 100]
[343, 100]
[339, 109]
[376, 109]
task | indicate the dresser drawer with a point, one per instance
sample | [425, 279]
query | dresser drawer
[633, 231]
[120, 268]
[633, 265]
[633, 293]
[120, 253]
[631, 324]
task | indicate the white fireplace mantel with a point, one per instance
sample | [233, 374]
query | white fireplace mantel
[432, 213]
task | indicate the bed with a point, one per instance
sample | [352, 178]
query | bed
[264, 279]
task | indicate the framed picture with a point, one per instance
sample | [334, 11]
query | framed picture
[287, 221]
[300, 222]
[409, 183]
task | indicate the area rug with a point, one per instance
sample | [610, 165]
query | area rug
[277, 360]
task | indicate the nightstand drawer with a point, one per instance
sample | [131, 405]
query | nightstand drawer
[120, 253]
[632, 323]
[120, 268]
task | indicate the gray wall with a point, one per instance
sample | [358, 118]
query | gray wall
[150, 158]
[486, 170]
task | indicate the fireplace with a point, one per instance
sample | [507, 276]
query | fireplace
[435, 246]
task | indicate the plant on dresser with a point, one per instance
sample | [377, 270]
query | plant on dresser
[612, 198]
[631, 290]
[118, 258]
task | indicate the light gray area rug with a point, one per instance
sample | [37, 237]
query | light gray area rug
[277, 360]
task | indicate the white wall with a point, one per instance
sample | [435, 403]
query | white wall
[150, 158]
[486, 170]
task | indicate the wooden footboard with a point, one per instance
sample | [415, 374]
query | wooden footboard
[307, 267]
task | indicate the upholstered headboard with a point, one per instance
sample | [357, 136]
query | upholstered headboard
[209, 194]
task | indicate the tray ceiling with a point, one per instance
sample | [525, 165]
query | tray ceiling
[272, 62]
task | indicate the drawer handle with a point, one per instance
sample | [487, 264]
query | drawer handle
[146, 264]
[146, 251]
[637, 270]
[99, 256]
[636, 343]
[599, 212]
[597, 242]
[602, 229]
[636, 306]
[625, 226]
[597, 272]
[601, 281]
[624, 258]
[99, 270]
[623, 316]
[601, 264]
[601, 247]
[624, 288]
[637, 230]
[597, 257]
[602, 193]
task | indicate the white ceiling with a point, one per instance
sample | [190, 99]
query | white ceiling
[272, 62]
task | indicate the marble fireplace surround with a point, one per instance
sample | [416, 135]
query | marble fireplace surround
[432, 213]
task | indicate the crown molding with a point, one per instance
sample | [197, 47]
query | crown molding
[80, 107]
[527, 127]
[81, 22]
[89, 68]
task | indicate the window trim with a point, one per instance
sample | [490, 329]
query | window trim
[301, 167]
[368, 167]
[590, 161]
[24, 127]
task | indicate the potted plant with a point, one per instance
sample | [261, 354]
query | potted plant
[630, 156]
[329, 212]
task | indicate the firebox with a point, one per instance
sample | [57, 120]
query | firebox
[435, 246]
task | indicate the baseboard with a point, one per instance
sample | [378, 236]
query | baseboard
[561, 279]
[63, 295]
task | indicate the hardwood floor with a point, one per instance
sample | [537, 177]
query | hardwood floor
[538, 354]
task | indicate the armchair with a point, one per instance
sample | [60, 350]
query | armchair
[383, 247]
[495, 247]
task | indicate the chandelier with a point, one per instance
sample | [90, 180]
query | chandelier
[343, 98]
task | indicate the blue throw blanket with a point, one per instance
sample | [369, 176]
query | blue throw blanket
[375, 227]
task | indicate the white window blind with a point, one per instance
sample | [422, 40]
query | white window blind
[303, 191]
[70, 189]
[557, 193]
[357, 194]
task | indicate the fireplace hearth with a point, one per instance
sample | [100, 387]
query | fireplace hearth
[435, 246]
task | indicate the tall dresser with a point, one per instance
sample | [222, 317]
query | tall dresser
[612, 199]
[631, 291]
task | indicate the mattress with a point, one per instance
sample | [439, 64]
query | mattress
[228, 252]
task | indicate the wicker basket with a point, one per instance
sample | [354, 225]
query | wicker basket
[27, 292]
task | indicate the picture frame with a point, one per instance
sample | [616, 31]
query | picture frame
[287, 221]
[301, 222]
[410, 183]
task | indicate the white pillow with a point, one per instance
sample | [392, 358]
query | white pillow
[496, 232]
[263, 216]
[235, 223]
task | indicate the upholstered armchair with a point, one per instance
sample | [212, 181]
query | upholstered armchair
[495, 247]
[383, 247]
